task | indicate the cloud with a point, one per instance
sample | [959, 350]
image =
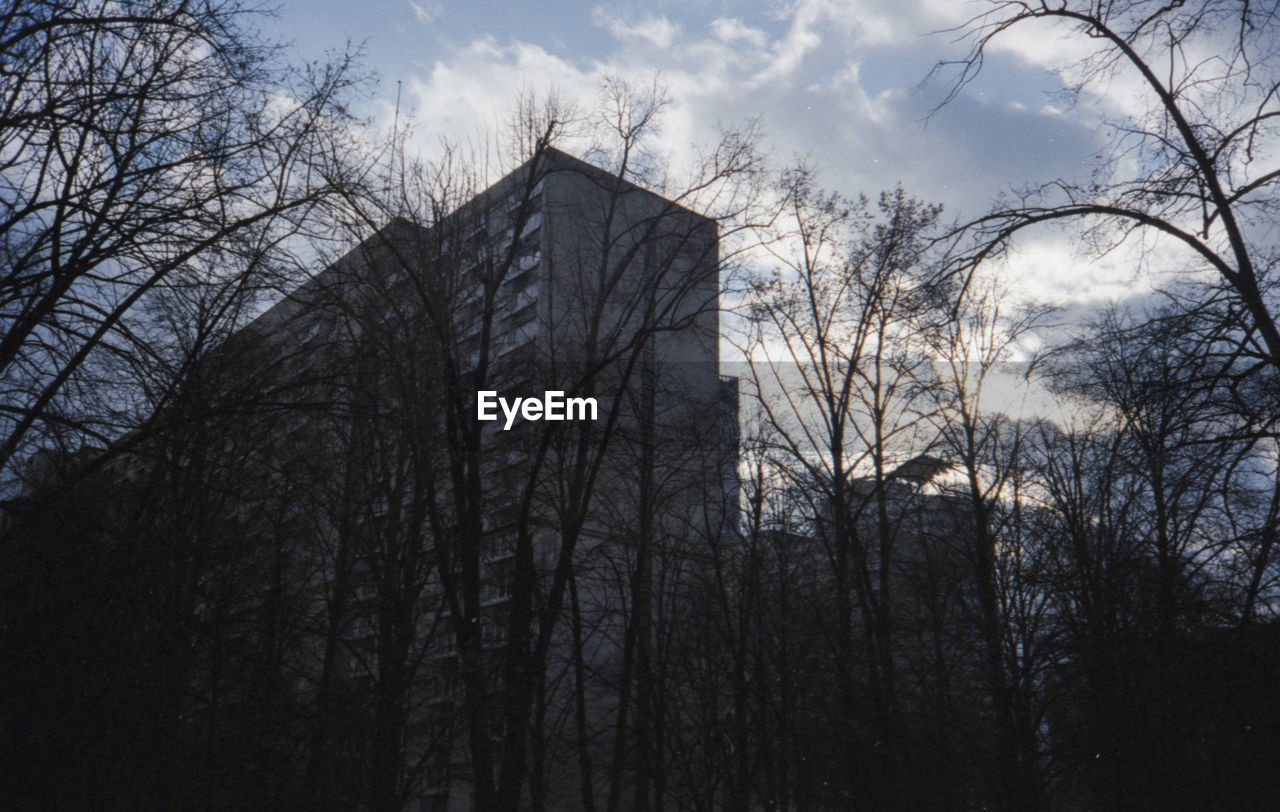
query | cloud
[656, 31]
[426, 11]
[806, 81]
[1118, 90]
[800, 39]
[1049, 267]
[731, 31]
[472, 93]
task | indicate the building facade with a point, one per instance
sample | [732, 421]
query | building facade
[494, 578]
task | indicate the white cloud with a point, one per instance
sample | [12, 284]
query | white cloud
[806, 83]
[656, 31]
[1049, 267]
[732, 30]
[426, 11]
[1066, 50]
[1045, 44]
[800, 39]
[471, 95]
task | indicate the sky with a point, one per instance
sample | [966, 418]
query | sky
[840, 84]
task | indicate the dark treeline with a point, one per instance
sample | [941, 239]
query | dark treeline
[272, 560]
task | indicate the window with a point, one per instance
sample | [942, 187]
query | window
[493, 634]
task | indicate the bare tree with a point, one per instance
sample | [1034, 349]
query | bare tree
[838, 376]
[144, 145]
[1141, 552]
[971, 350]
[1191, 166]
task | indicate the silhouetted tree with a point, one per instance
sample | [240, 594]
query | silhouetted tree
[838, 371]
[145, 146]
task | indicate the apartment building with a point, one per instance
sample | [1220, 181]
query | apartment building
[563, 278]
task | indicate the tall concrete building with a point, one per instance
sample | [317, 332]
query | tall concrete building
[530, 543]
